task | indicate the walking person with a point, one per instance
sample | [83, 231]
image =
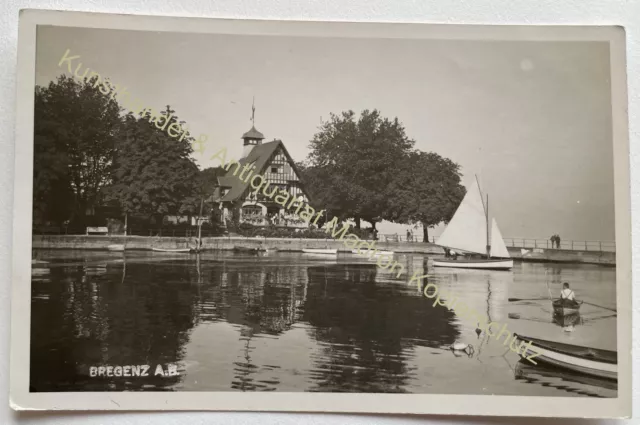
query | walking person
[408, 235]
[553, 240]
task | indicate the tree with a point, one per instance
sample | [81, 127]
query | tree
[352, 162]
[426, 189]
[75, 129]
[153, 172]
[325, 191]
[203, 187]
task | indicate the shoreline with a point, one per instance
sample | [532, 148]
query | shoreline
[226, 243]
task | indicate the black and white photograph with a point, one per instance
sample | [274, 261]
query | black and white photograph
[233, 208]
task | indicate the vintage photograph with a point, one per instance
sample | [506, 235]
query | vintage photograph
[325, 212]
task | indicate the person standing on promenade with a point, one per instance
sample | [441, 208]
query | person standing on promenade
[408, 235]
[558, 241]
[553, 240]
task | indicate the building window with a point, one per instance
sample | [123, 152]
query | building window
[275, 170]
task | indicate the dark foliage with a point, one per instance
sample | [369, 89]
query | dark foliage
[75, 132]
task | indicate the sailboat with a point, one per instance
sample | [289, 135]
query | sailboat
[468, 231]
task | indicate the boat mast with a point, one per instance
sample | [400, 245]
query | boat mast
[486, 217]
[488, 241]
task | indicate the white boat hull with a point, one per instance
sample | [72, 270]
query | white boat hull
[371, 253]
[115, 247]
[475, 264]
[575, 363]
[320, 251]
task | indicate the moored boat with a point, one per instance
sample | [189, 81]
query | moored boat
[371, 253]
[566, 307]
[171, 249]
[471, 231]
[324, 251]
[564, 379]
[586, 360]
[116, 247]
[247, 250]
[486, 264]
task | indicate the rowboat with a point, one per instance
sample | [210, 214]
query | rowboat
[566, 307]
[320, 251]
[585, 360]
[564, 379]
[34, 261]
[246, 250]
[471, 231]
[566, 320]
[116, 247]
[371, 253]
[171, 249]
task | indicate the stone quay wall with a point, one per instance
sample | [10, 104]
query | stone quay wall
[97, 242]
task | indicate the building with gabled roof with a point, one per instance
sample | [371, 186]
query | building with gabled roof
[239, 199]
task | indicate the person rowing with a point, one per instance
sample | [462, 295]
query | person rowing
[567, 293]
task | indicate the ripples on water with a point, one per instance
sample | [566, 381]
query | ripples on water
[295, 322]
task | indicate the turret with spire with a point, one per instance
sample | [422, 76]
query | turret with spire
[252, 137]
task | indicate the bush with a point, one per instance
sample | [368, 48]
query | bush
[250, 230]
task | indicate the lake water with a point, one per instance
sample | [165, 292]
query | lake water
[299, 322]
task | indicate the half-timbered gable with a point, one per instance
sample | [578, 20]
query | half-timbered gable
[271, 160]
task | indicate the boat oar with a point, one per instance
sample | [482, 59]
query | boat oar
[546, 281]
[601, 306]
[517, 316]
[528, 299]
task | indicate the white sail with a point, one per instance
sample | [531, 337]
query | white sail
[467, 230]
[498, 248]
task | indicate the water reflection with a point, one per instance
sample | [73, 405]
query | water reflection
[281, 322]
[368, 330]
[565, 380]
[94, 317]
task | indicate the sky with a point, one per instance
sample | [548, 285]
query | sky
[532, 119]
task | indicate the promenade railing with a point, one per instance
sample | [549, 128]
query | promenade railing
[607, 246]
[603, 246]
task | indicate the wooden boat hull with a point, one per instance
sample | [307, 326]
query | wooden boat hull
[371, 253]
[563, 379]
[566, 307]
[245, 250]
[585, 360]
[116, 247]
[171, 250]
[320, 251]
[566, 320]
[474, 264]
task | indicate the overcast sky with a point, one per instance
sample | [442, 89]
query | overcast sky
[532, 119]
